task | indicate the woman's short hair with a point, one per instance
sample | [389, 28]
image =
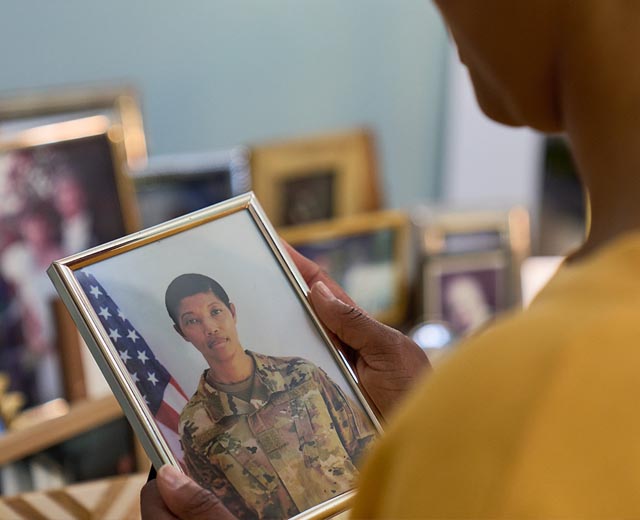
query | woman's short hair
[187, 285]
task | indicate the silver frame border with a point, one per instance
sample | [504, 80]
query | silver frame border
[62, 271]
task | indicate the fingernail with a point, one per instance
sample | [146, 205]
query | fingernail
[173, 476]
[324, 291]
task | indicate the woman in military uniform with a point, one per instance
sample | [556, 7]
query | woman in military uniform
[270, 436]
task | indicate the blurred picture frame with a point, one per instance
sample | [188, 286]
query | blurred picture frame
[472, 256]
[40, 107]
[137, 326]
[316, 178]
[174, 185]
[367, 254]
[466, 292]
[64, 190]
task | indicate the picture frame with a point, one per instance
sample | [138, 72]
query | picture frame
[57, 181]
[316, 178]
[226, 241]
[367, 254]
[466, 292]
[173, 185]
[470, 264]
[39, 107]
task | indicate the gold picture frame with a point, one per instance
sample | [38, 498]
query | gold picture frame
[58, 182]
[138, 343]
[119, 103]
[316, 178]
[176, 184]
[336, 244]
[470, 265]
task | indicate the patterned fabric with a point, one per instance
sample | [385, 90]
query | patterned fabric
[294, 445]
[104, 499]
[159, 389]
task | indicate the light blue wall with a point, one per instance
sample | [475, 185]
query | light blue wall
[214, 73]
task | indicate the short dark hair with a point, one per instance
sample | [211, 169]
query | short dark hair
[187, 285]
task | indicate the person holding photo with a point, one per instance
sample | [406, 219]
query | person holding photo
[535, 417]
[270, 436]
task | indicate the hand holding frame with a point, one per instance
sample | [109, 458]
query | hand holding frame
[386, 361]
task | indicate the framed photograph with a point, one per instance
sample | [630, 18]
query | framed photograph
[118, 103]
[318, 178]
[366, 254]
[471, 265]
[203, 329]
[174, 185]
[466, 292]
[62, 192]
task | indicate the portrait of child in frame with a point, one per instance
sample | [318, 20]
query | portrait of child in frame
[213, 344]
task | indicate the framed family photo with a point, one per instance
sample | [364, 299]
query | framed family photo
[203, 329]
[471, 265]
[63, 191]
[174, 185]
[118, 103]
[367, 254]
[316, 178]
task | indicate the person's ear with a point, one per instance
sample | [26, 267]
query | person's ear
[232, 308]
[179, 331]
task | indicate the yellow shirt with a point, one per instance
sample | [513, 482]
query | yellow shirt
[538, 417]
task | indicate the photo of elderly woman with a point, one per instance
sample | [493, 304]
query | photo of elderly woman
[271, 436]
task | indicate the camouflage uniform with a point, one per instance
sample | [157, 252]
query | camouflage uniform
[292, 446]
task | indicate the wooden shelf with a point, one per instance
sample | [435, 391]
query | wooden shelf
[82, 416]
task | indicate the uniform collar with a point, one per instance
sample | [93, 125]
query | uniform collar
[268, 380]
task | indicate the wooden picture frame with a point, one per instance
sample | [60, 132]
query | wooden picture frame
[119, 103]
[316, 178]
[174, 185]
[336, 244]
[64, 189]
[139, 329]
[470, 265]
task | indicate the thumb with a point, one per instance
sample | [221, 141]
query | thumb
[186, 499]
[352, 325]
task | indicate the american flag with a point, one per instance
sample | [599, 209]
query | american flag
[159, 389]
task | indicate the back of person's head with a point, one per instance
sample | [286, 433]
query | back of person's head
[187, 285]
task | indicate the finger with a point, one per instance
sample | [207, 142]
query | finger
[351, 324]
[312, 273]
[186, 499]
[152, 507]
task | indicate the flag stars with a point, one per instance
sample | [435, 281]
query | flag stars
[121, 315]
[142, 356]
[124, 355]
[95, 291]
[114, 335]
[133, 336]
[152, 378]
[104, 312]
[146, 400]
[134, 376]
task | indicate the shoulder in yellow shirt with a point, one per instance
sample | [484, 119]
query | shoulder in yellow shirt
[537, 417]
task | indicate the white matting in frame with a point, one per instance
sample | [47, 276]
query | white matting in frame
[289, 444]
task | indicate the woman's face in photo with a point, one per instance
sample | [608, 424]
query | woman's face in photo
[210, 326]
